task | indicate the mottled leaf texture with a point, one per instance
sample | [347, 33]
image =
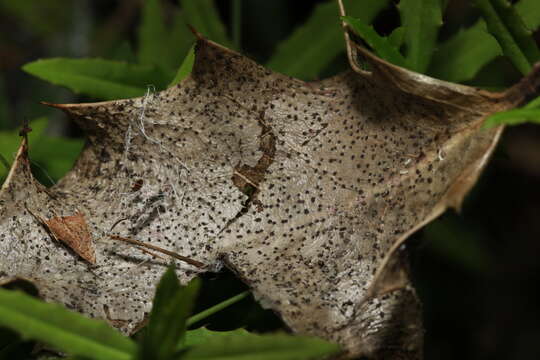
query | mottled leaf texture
[307, 191]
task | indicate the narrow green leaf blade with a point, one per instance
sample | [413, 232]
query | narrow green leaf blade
[99, 78]
[381, 45]
[421, 19]
[202, 335]
[180, 39]
[172, 305]
[151, 34]
[518, 29]
[513, 117]
[241, 345]
[320, 39]
[514, 38]
[461, 57]
[65, 330]
[533, 104]
[185, 69]
[203, 16]
[216, 308]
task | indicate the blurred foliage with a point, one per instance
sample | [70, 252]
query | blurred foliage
[461, 56]
[104, 50]
[385, 47]
[421, 20]
[470, 50]
[502, 31]
[42, 17]
[508, 28]
[99, 78]
[162, 339]
[314, 44]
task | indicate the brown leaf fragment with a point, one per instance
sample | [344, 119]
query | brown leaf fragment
[73, 231]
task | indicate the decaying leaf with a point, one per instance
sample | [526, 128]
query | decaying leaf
[306, 190]
[73, 231]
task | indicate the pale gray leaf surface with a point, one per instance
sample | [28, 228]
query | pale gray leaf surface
[305, 190]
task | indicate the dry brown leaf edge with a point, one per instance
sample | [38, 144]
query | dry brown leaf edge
[307, 191]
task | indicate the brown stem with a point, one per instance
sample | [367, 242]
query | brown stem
[158, 249]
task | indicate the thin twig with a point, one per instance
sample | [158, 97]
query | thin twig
[116, 223]
[158, 249]
[151, 253]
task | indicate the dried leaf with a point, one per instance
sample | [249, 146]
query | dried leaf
[73, 231]
[306, 190]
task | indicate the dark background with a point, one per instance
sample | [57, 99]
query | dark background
[477, 273]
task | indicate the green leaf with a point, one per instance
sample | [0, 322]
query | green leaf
[203, 16]
[461, 57]
[180, 39]
[152, 33]
[172, 305]
[397, 36]
[381, 45]
[54, 155]
[421, 19]
[514, 38]
[241, 345]
[320, 39]
[102, 79]
[513, 117]
[533, 104]
[64, 330]
[520, 32]
[185, 69]
[202, 335]
[529, 11]
[123, 53]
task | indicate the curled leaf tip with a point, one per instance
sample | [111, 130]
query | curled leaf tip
[53, 105]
